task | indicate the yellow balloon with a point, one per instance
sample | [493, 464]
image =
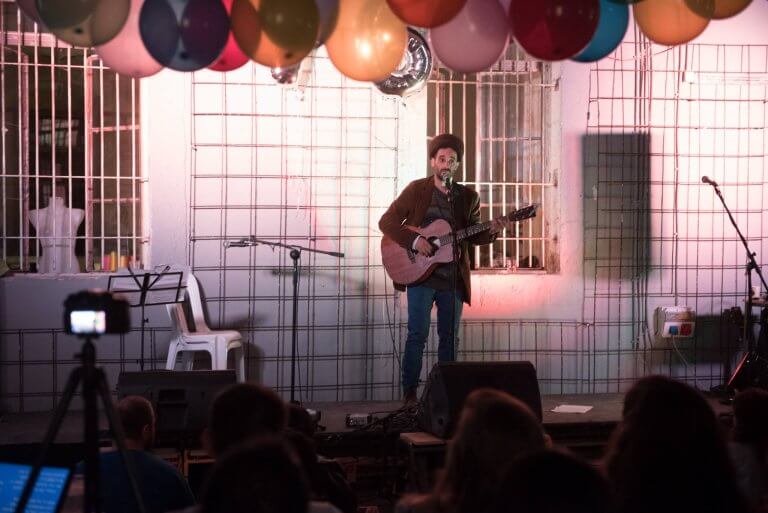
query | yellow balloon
[249, 34]
[369, 40]
[100, 26]
[668, 22]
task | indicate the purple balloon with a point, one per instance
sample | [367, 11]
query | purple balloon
[474, 39]
[185, 35]
[126, 53]
[328, 10]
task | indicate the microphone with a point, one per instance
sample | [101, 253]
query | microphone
[447, 179]
[706, 179]
[236, 244]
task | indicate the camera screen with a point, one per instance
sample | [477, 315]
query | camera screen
[88, 321]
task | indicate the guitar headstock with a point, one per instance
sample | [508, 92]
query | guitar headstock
[524, 213]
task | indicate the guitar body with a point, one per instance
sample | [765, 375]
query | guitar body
[406, 266]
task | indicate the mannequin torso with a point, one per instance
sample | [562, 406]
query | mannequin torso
[56, 227]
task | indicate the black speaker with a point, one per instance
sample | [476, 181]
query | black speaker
[450, 383]
[181, 400]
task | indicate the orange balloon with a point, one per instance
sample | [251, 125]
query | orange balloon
[255, 43]
[668, 22]
[369, 40]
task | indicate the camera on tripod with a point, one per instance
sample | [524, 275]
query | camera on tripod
[90, 313]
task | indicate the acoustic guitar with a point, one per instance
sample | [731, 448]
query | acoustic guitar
[406, 266]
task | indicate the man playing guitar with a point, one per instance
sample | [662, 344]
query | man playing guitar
[448, 285]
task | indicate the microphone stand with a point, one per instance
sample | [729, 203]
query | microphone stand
[295, 255]
[745, 373]
[448, 183]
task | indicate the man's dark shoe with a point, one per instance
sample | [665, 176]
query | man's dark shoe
[409, 398]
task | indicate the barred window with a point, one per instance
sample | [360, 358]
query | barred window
[69, 151]
[502, 116]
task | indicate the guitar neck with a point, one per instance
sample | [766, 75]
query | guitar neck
[466, 232]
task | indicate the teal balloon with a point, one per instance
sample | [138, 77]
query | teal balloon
[611, 27]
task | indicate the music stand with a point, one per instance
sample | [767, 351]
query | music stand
[148, 289]
[295, 255]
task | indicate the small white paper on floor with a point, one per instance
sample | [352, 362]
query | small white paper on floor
[571, 408]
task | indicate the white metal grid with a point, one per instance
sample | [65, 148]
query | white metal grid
[655, 235]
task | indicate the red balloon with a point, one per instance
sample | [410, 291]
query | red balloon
[426, 13]
[232, 57]
[554, 30]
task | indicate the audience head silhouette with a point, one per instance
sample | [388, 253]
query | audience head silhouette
[260, 476]
[494, 428]
[243, 411]
[552, 482]
[138, 420]
[668, 453]
[750, 412]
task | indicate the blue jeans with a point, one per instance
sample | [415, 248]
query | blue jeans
[420, 301]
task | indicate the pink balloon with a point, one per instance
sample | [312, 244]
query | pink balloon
[474, 39]
[232, 57]
[125, 53]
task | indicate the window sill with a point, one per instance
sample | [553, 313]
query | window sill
[518, 271]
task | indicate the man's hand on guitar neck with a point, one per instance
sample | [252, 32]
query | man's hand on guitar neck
[501, 223]
[423, 247]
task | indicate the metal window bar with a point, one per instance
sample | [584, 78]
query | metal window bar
[51, 95]
[500, 114]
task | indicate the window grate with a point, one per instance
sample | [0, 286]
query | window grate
[501, 115]
[70, 131]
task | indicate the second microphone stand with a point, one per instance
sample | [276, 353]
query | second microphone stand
[295, 254]
[746, 374]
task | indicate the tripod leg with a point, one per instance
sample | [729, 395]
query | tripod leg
[119, 436]
[50, 436]
[91, 430]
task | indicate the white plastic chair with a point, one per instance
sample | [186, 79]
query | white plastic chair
[216, 343]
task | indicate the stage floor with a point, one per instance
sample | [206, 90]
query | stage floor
[568, 429]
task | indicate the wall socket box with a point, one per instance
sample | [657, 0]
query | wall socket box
[675, 321]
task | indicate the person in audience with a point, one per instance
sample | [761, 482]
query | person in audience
[749, 445]
[494, 428]
[240, 412]
[259, 476]
[327, 479]
[552, 481]
[668, 454]
[161, 485]
[246, 412]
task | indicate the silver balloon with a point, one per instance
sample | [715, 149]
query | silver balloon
[286, 76]
[413, 71]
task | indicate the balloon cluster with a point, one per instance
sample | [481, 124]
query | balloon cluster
[367, 40]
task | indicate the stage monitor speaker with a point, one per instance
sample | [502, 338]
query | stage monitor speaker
[450, 383]
[181, 400]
